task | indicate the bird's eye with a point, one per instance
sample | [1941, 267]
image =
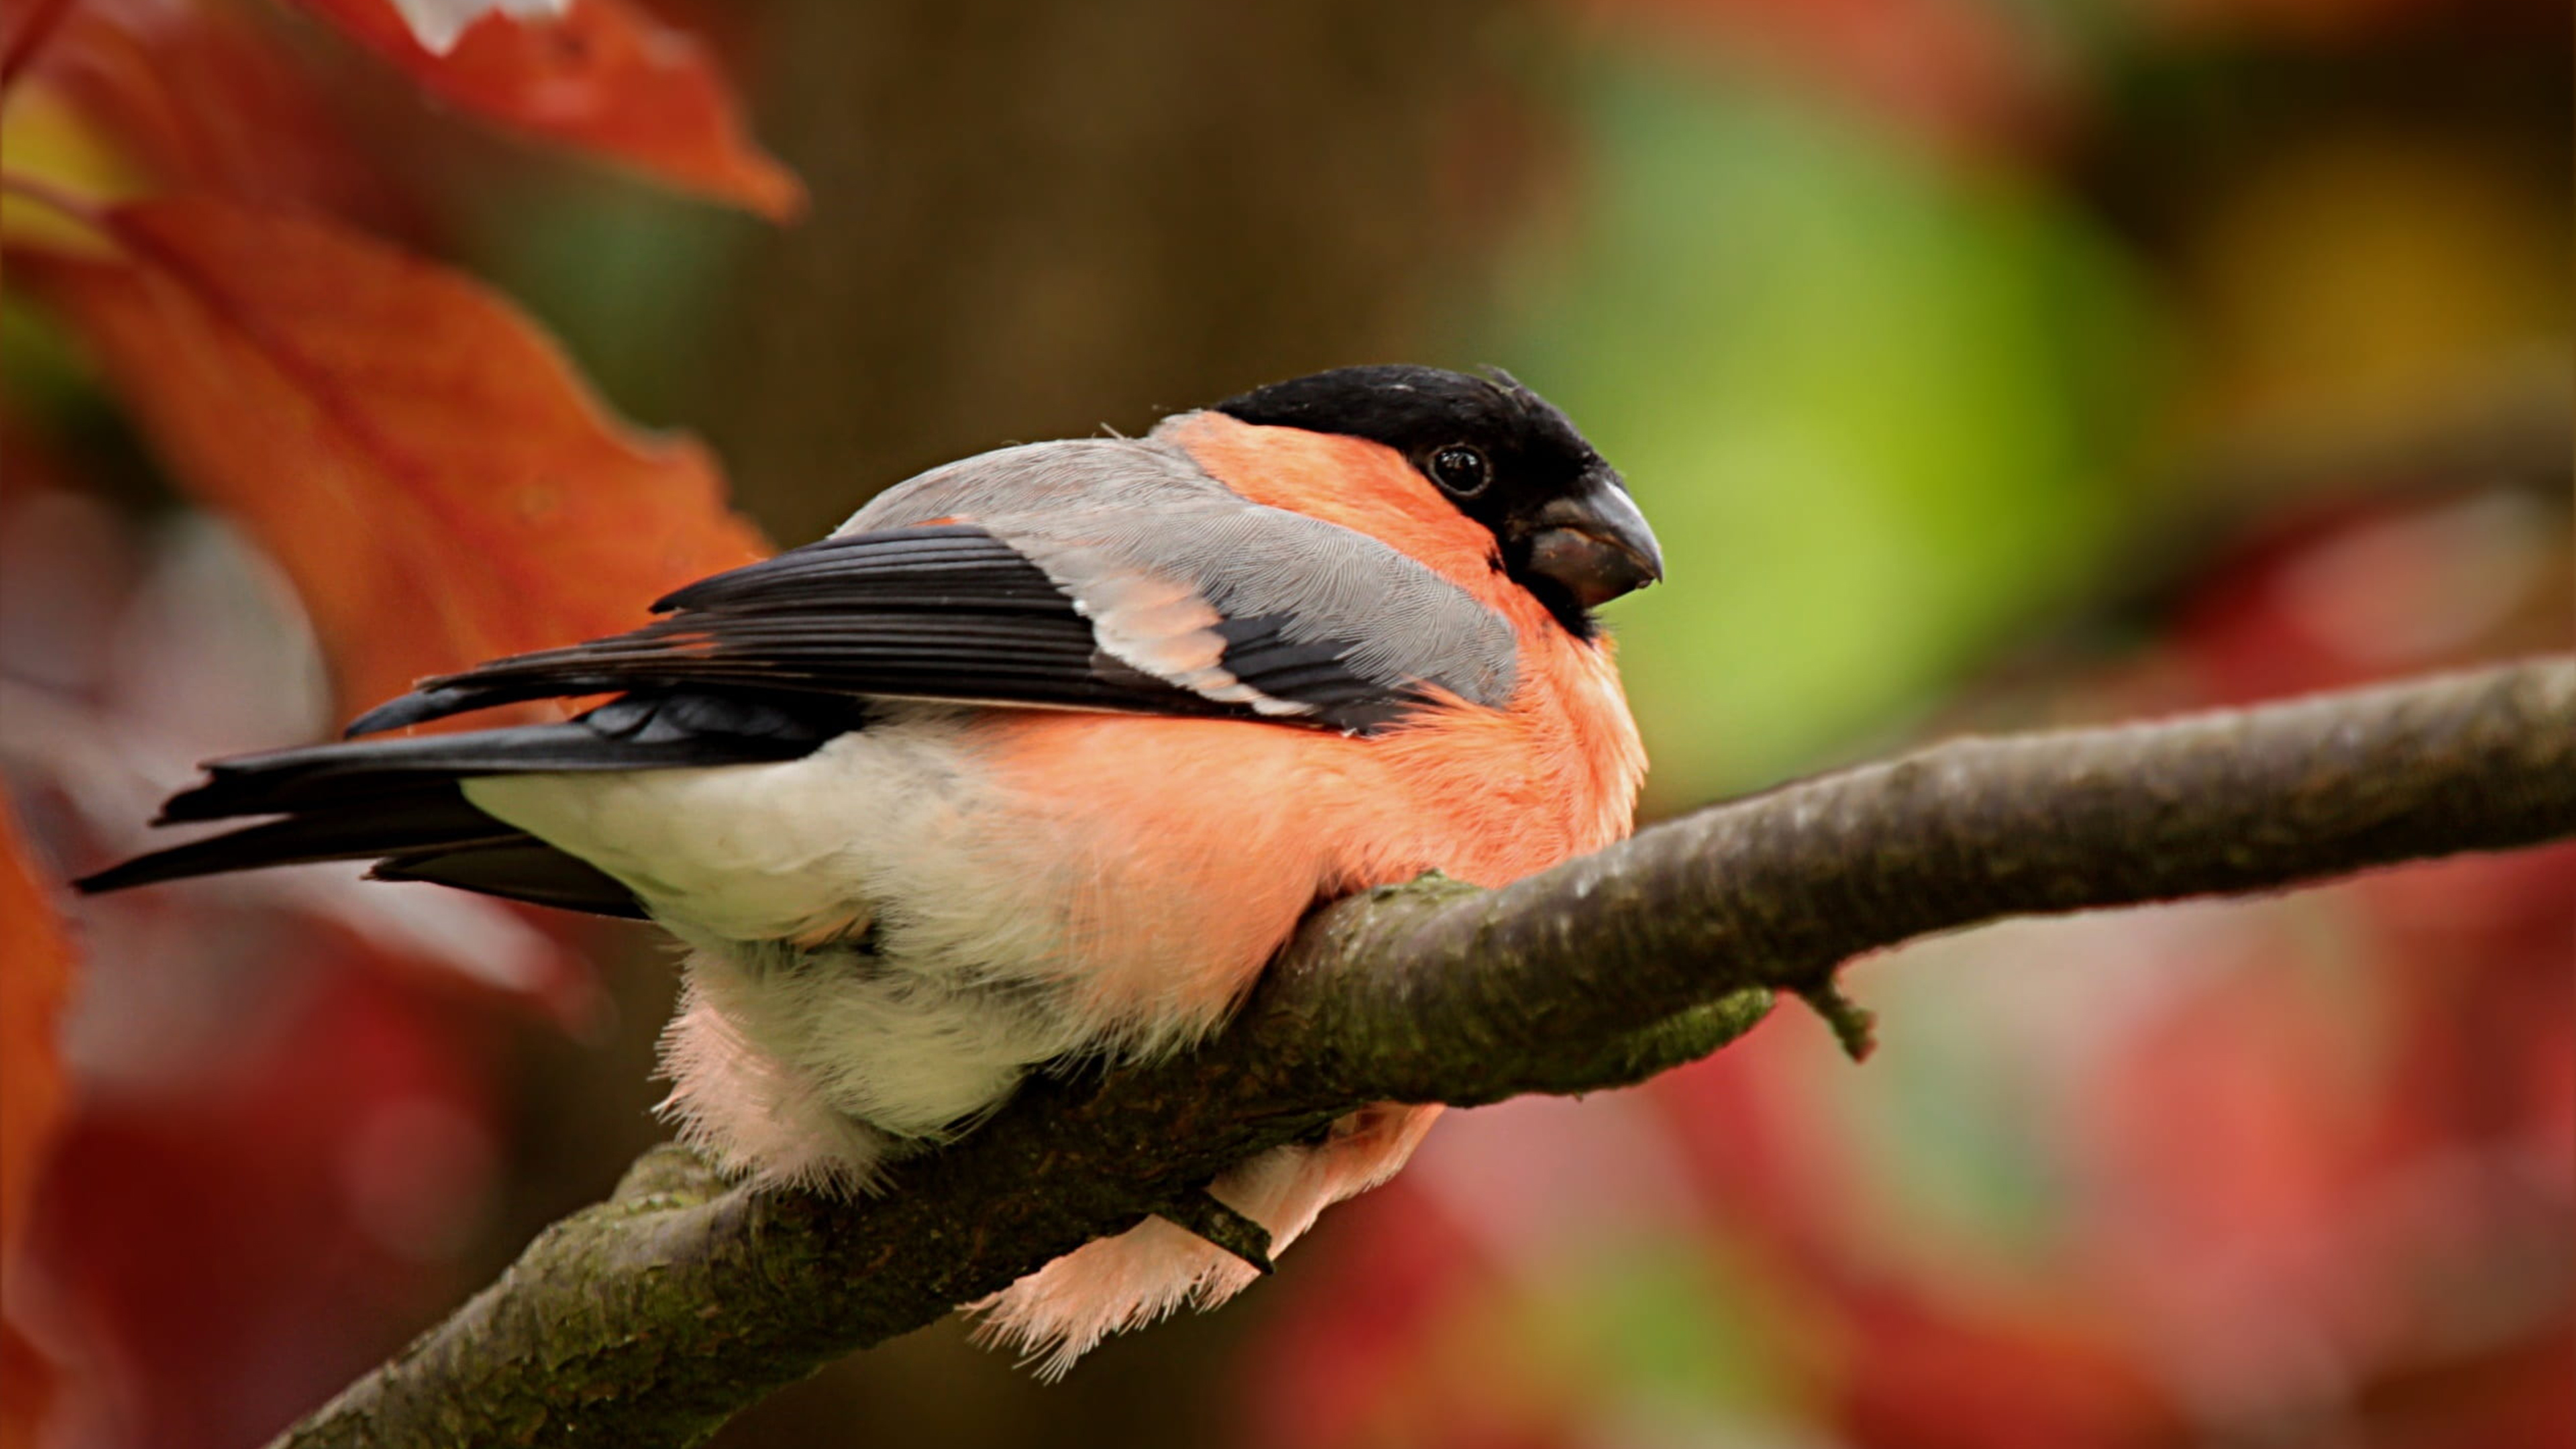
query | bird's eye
[1461, 469]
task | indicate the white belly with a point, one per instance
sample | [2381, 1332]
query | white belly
[764, 851]
[943, 984]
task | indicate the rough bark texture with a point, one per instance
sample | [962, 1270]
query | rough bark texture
[650, 1318]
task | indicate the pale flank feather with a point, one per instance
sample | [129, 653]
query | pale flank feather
[1057, 1314]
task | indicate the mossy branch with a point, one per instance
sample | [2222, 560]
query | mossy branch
[651, 1318]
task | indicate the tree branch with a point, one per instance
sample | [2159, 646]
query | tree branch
[652, 1317]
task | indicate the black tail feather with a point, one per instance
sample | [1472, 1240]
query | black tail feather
[436, 701]
[608, 738]
[526, 869]
[436, 816]
[398, 801]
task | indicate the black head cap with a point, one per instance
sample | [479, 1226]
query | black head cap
[1562, 523]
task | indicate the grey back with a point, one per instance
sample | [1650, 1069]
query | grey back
[1111, 519]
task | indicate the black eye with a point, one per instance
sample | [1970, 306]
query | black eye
[1461, 469]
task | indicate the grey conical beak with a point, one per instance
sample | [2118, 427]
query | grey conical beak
[1595, 542]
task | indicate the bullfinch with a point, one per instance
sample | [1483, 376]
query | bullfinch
[1036, 761]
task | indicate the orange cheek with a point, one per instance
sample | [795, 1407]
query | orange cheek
[1363, 486]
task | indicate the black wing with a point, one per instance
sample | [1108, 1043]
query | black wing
[396, 802]
[765, 662]
[939, 612]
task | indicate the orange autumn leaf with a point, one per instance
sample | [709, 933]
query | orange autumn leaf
[607, 78]
[195, 97]
[35, 981]
[421, 459]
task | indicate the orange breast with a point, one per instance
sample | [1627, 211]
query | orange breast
[1189, 849]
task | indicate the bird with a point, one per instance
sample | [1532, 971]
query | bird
[1036, 761]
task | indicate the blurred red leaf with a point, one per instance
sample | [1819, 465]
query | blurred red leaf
[35, 979]
[607, 79]
[26, 1389]
[1927, 1372]
[422, 461]
[224, 1247]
